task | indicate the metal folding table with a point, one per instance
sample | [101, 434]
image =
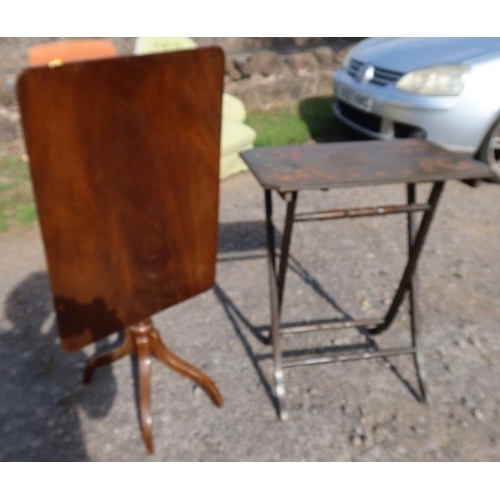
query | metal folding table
[288, 170]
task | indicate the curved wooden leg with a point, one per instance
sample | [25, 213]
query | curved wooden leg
[180, 366]
[143, 351]
[144, 341]
[108, 357]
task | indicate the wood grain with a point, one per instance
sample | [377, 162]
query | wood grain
[124, 156]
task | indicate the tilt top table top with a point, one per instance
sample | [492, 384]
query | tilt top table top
[124, 155]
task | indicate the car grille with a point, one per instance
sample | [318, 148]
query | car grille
[358, 117]
[382, 76]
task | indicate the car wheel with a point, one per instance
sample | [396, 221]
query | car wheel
[490, 149]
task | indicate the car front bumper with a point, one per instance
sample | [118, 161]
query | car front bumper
[387, 113]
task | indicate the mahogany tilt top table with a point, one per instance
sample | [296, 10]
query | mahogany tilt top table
[124, 155]
[290, 169]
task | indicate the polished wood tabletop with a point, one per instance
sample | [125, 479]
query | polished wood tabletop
[124, 155]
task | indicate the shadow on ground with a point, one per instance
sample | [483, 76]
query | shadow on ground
[41, 390]
[323, 126]
[239, 241]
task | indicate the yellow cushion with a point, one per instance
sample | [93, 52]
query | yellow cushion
[236, 136]
[154, 44]
[231, 164]
[233, 108]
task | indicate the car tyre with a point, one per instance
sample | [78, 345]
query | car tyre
[489, 152]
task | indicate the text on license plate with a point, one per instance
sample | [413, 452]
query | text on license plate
[357, 99]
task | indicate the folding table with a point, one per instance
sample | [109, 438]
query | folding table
[290, 169]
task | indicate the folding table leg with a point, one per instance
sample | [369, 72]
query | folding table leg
[414, 304]
[408, 283]
[285, 246]
[276, 287]
[413, 256]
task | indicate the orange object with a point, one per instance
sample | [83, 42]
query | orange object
[55, 54]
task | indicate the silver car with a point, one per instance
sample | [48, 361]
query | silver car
[446, 90]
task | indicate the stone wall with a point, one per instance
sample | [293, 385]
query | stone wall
[262, 72]
[267, 78]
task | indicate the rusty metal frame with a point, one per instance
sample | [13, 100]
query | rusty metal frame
[277, 277]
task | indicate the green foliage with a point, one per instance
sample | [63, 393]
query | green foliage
[278, 127]
[310, 120]
[26, 213]
[16, 197]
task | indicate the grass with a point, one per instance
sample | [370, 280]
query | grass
[311, 120]
[278, 127]
[16, 197]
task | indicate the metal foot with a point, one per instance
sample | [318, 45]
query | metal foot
[279, 385]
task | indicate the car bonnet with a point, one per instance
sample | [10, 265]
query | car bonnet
[406, 54]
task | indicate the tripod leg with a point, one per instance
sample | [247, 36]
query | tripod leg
[180, 366]
[144, 341]
[108, 358]
[142, 344]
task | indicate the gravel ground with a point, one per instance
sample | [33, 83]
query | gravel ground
[360, 411]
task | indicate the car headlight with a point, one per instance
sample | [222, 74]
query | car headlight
[436, 80]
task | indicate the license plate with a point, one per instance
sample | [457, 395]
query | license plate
[357, 99]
